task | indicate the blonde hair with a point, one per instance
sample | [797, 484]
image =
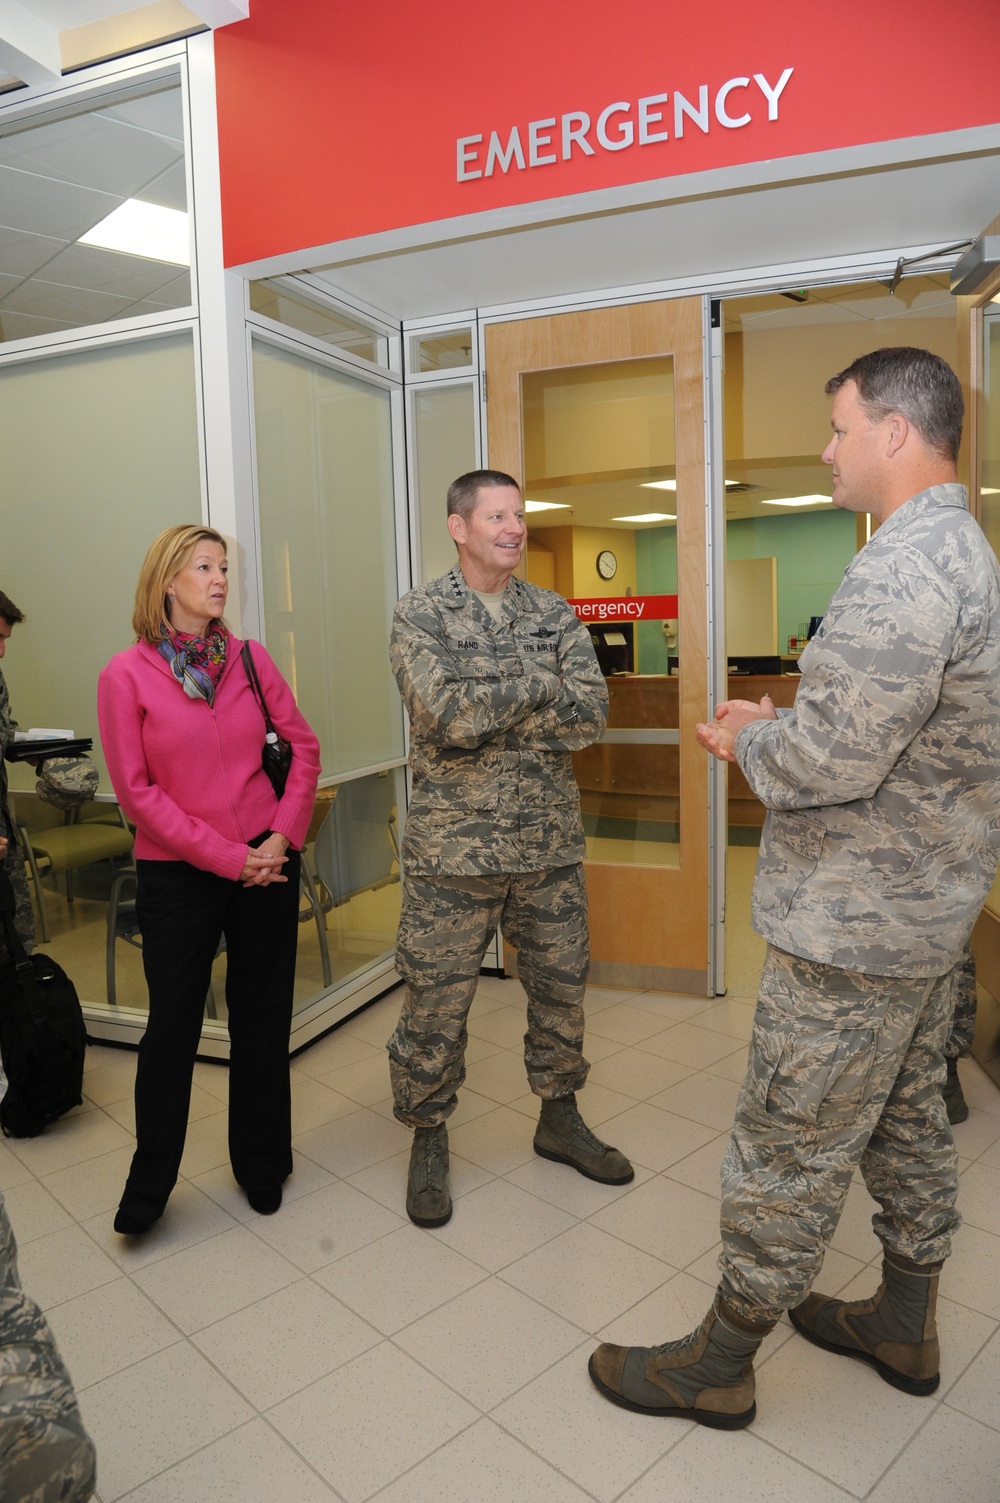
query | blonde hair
[166, 557]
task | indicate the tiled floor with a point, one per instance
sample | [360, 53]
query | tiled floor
[334, 1351]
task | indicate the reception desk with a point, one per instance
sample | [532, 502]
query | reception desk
[634, 773]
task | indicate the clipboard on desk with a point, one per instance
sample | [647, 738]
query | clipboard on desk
[36, 748]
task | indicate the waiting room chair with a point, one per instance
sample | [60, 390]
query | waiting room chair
[123, 924]
[357, 846]
[54, 841]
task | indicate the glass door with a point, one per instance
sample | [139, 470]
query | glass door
[983, 425]
[601, 417]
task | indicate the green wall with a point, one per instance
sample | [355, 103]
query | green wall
[812, 553]
[656, 574]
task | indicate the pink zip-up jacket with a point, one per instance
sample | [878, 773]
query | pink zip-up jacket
[189, 775]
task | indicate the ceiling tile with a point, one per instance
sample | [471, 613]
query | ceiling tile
[160, 112]
[24, 326]
[169, 190]
[22, 253]
[109, 271]
[97, 153]
[62, 210]
[175, 294]
[78, 305]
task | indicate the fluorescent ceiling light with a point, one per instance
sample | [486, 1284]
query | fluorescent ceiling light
[547, 506]
[148, 230]
[670, 485]
[801, 501]
[648, 516]
[989, 490]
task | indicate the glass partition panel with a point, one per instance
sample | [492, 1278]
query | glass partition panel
[601, 497]
[328, 570]
[444, 447]
[93, 214]
[328, 551]
[100, 453]
[441, 352]
[990, 438]
[354, 859]
[294, 308]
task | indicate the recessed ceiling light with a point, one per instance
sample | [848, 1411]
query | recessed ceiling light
[671, 485]
[648, 516]
[547, 506]
[148, 230]
[800, 501]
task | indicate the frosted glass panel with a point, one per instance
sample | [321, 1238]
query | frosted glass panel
[990, 473]
[444, 441]
[287, 305]
[327, 544]
[100, 453]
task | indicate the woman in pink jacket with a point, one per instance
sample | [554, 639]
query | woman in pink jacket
[217, 854]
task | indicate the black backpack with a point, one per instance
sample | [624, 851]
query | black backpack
[42, 1034]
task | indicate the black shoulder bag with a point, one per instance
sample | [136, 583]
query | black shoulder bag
[43, 1037]
[276, 758]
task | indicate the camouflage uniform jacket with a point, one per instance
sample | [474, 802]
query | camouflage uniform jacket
[883, 782]
[495, 709]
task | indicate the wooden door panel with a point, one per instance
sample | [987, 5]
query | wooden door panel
[649, 924]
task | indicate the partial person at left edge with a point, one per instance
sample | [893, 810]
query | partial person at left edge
[217, 856]
[13, 857]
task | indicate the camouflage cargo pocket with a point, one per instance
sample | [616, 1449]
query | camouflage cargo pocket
[803, 1074]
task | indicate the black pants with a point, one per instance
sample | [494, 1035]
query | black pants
[183, 913]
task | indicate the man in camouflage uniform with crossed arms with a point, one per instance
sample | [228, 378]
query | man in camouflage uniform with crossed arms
[501, 684]
[881, 843]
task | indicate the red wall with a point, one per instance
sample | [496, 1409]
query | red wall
[338, 119]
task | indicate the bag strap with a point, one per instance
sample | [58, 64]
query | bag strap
[246, 657]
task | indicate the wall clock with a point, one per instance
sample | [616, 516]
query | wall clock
[607, 564]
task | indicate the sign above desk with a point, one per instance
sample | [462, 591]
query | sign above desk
[604, 608]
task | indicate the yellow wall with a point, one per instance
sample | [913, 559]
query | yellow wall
[775, 403]
[540, 565]
[574, 552]
[592, 419]
[587, 544]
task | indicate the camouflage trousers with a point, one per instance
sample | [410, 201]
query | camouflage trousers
[963, 1021]
[24, 917]
[444, 929]
[45, 1453]
[844, 1070]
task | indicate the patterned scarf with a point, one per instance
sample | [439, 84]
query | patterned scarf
[196, 662]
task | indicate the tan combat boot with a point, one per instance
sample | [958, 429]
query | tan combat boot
[428, 1200]
[563, 1136]
[707, 1376]
[894, 1331]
